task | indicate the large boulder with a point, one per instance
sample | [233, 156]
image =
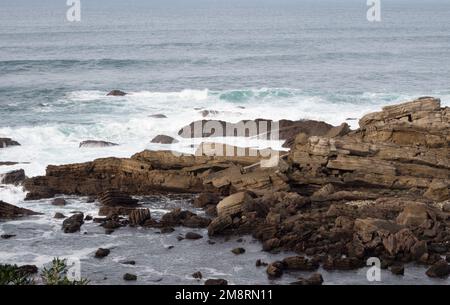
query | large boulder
[15, 177]
[413, 215]
[438, 190]
[439, 269]
[73, 223]
[233, 204]
[9, 211]
[6, 142]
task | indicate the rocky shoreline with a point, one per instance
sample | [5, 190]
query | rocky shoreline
[337, 198]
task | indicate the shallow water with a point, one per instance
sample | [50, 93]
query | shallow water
[40, 238]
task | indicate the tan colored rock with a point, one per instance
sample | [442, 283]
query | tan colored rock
[233, 204]
[413, 215]
[438, 191]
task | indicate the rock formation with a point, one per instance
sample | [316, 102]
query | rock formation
[337, 197]
[9, 211]
[5, 142]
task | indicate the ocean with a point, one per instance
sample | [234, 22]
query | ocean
[247, 59]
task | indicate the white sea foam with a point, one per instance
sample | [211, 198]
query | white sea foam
[125, 120]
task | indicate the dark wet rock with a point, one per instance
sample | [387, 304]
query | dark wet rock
[128, 262]
[130, 277]
[192, 235]
[9, 211]
[116, 93]
[158, 116]
[96, 144]
[88, 218]
[216, 282]
[398, 269]
[113, 223]
[8, 163]
[439, 269]
[163, 139]
[91, 199]
[73, 223]
[59, 202]
[271, 244]
[238, 251]
[109, 231]
[6, 142]
[197, 275]
[314, 279]
[7, 236]
[59, 215]
[166, 230]
[139, 216]
[178, 217]
[260, 263]
[206, 113]
[275, 269]
[15, 177]
[101, 252]
[219, 224]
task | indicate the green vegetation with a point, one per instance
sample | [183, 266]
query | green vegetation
[56, 274]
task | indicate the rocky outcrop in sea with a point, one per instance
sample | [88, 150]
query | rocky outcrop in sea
[336, 198]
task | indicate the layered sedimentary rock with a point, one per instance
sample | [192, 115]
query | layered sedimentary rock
[401, 148]
[152, 171]
[9, 211]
